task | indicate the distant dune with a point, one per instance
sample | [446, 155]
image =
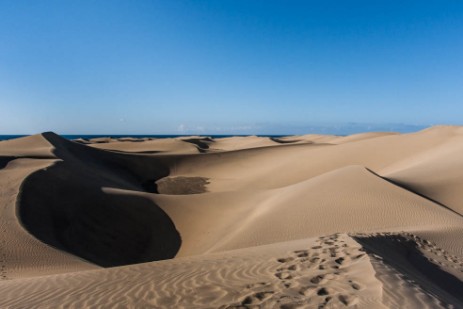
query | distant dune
[369, 220]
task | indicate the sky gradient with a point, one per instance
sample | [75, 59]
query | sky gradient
[229, 67]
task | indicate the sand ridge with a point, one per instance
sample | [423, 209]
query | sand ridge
[329, 271]
[371, 220]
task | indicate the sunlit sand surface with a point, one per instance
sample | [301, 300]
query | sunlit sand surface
[370, 220]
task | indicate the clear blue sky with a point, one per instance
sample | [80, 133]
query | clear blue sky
[153, 67]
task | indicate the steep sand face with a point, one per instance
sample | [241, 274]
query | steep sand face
[35, 146]
[364, 221]
[435, 173]
[106, 229]
[21, 254]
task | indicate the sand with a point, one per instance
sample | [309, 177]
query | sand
[370, 220]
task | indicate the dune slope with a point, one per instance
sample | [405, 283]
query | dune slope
[364, 221]
[105, 229]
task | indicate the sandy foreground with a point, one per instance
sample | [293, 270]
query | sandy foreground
[369, 220]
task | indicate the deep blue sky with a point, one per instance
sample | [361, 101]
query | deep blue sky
[152, 67]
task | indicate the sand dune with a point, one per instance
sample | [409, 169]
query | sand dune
[349, 199]
[288, 274]
[168, 145]
[22, 255]
[106, 229]
[333, 271]
[369, 220]
[436, 172]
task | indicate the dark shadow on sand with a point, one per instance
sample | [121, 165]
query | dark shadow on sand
[5, 160]
[201, 143]
[395, 183]
[402, 254]
[65, 207]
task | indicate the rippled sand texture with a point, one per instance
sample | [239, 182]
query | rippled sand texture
[330, 270]
[369, 220]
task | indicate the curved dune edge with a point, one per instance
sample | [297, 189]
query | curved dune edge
[240, 207]
[21, 254]
[350, 199]
[106, 229]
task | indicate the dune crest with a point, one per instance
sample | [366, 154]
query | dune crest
[371, 220]
[106, 229]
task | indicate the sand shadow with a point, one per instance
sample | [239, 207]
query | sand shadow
[402, 254]
[407, 188]
[201, 143]
[282, 141]
[5, 160]
[65, 207]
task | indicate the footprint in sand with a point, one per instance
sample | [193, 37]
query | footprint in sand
[317, 277]
[331, 257]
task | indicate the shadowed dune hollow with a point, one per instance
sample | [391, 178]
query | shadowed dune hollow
[107, 229]
[371, 220]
